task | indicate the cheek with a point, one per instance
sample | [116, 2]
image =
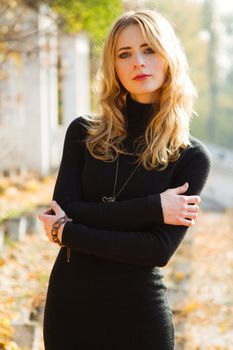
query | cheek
[121, 72]
[162, 66]
[159, 70]
[158, 64]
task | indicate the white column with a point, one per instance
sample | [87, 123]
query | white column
[76, 81]
[40, 89]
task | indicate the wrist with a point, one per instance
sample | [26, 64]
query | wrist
[57, 229]
[60, 232]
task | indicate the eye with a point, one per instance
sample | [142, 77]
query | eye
[149, 50]
[124, 55]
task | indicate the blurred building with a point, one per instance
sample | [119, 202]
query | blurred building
[44, 85]
[218, 192]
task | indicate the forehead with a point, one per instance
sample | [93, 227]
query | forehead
[130, 36]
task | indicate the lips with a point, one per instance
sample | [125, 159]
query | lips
[141, 76]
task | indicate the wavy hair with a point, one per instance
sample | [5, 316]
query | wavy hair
[168, 130]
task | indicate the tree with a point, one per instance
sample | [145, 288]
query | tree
[212, 68]
[91, 16]
[74, 16]
[225, 125]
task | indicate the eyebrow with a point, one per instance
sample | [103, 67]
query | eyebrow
[128, 47]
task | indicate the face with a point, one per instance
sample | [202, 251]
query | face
[139, 68]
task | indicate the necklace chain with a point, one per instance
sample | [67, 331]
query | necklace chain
[114, 196]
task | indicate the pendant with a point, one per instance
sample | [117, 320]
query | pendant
[108, 199]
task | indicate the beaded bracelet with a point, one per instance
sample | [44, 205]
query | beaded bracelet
[55, 228]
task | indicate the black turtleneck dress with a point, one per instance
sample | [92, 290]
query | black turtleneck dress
[111, 295]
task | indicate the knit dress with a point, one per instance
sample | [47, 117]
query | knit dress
[111, 295]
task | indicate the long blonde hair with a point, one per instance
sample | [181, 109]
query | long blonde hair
[168, 130]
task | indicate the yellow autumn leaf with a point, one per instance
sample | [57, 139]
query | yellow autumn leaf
[223, 327]
[16, 58]
[10, 300]
[2, 262]
[6, 332]
[4, 182]
[32, 186]
[179, 276]
[4, 322]
[12, 4]
[190, 307]
[48, 180]
[13, 346]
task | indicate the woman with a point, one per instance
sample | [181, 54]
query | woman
[129, 180]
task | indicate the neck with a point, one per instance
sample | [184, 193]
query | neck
[146, 98]
[138, 114]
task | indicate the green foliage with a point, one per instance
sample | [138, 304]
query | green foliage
[194, 22]
[91, 16]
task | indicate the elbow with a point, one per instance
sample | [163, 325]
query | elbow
[161, 260]
[162, 254]
[156, 262]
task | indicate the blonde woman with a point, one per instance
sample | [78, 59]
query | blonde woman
[127, 190]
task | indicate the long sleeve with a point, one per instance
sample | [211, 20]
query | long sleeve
[151, 247]
[138, 212]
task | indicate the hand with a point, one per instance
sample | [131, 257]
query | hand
[179, 209]
[49, 217]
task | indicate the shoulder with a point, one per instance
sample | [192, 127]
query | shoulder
[77, 129]
[194, 161]
[193, 166]
[80, 122]
[196, 152]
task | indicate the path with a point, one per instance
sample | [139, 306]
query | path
[199, 278]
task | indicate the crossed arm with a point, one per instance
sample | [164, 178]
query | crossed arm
[149, 247]
[152, 246]
[169, 207]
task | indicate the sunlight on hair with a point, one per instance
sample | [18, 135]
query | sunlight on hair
[168, 131]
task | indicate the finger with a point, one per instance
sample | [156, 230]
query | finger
[50, 211]
[186, 222]
[42, 217]
[182, 189]
[192, 208]
[56, 208]
[193, 199]
[190, 215]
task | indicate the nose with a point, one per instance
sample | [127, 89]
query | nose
[138, 61]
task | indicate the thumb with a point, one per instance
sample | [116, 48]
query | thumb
[182, 189]
[56, 208]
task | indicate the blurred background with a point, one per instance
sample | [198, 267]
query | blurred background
[49, 54]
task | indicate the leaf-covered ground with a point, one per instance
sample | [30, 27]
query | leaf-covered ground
[23, 194]
[205, 308]
[25, 269]
[209, 316]
[202, 270]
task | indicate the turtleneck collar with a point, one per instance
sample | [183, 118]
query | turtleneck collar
[138, 115]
